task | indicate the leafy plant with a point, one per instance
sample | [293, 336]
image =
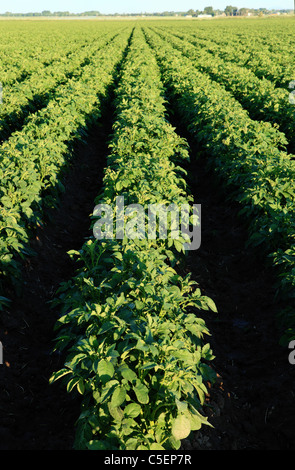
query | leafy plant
[33, 159]
[136, 345]
[246, 154]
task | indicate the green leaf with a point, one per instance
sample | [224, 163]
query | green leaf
[105, 370]
[81, 386]
[174, 443]
[141, 392]
[197, 419]
[155, 446]
[181, 405]
[139, 304]
[57, 375]
[211, 304]
[195, 422]
[178, 245]
[116, 412]
[75, 360]
[107, 391]
[127, 373]
[181, 427]
[149, 365]
[128, 426]
[118, 396]
[132, 410]
[72, 383]
[131, 443]
[108, 325]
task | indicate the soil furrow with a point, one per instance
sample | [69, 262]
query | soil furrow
[33, 414]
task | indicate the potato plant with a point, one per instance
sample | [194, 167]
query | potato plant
[247, 155]
[33, 159]
[130, 324]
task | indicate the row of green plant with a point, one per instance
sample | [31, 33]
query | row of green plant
[26, 49]
[33, 159]
[29, 47]
[264, 63]
[25, 98]
[272, 40]
[276, 41]
[130, 325]
[260, 97]
[247, 156]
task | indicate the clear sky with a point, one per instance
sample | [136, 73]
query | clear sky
[133, 6]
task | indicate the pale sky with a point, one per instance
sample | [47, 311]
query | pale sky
[133, 6]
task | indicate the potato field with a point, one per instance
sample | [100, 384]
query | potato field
[139, 340]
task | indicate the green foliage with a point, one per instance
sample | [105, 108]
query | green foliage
[137, 358]
[28, 96]
[246, 154]
[33, 159]
[136, 345]
[261, 97]
[131, 326]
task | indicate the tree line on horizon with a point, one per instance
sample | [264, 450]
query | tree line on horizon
[228, 11]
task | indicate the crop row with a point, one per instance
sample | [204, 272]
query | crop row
[27, 48]
[33, 159]
[246, 155]
[260, 97]
[276, 47]
[24, 98]
[279, 67]
[129, 321]
[18, 63]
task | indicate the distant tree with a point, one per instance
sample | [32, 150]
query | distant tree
[91, 13]
[229, 10]
[46, 13]
[208, 11]
[243, 11]
[61, 13]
